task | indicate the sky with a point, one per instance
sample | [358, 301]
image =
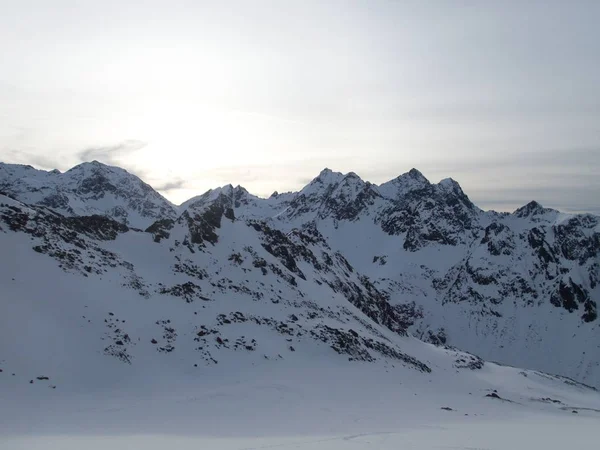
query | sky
[504, 97]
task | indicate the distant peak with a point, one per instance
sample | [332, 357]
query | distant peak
[414, 176]
[402, 184]
[411, 177]
[451, 187]
[327, 176]
[449, 183]
[530, 209]
[228, 189]
[90, 165]
[94, 163]
[414, 173]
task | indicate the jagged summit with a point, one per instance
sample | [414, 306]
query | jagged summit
[453, 189]
[327, 183]
[532, 208]
[449, 183]
[328, 178]
[330, 194]
[236, 193]
[325, 179]
[401, 185]
[416, 175]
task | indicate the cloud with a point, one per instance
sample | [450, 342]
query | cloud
[567, 179]
[286, 175]
[38, 160]
[465, 165]
[171, 186]
[116, 155]
[578, 158]
[110, 154]
[564, 197]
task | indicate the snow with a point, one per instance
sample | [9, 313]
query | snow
[403, 184]
[310, 398]
[307, 404]
[120, 194]
[282, 389]
[537, 432]
[325, 179]
[528, 327]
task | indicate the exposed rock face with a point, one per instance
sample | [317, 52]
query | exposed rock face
[426, 213]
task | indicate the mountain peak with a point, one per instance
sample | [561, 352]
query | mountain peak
[89, 188]
[449, 183]
[327, 175]
[531, 209]
[451, 188]
[411, 177]
[237, 194]
[416, 175]
[94, 163]
[94, 167]
[409, 181]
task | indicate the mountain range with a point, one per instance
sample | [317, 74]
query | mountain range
[97, 263]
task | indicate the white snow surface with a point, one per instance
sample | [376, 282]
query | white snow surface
[309, 398]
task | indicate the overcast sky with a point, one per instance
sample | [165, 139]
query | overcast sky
[503, 96]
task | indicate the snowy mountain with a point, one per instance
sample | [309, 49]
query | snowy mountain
[87, 189]
[513, 288]
[292, 317]
[341, 269]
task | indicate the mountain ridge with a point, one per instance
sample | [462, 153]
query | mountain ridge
[413, 256]
[412, 174]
